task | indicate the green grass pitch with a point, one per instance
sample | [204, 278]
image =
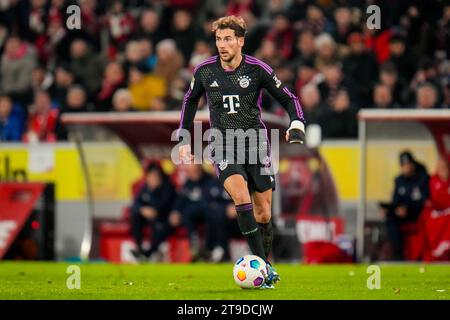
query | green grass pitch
[36, 280]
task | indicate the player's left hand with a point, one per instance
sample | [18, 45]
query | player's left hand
[296, 132]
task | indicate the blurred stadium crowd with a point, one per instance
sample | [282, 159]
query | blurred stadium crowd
[139, 55]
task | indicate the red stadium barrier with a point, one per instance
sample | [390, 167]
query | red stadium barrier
[318, 236]
[16, 204]
[436, 234]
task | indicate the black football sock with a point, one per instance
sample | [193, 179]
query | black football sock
[249, 228]
[267, 236]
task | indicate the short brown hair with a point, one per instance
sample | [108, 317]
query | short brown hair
[231, 22]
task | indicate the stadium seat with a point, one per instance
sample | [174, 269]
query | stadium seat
[412, 241]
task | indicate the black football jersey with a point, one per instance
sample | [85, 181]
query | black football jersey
[234, 97]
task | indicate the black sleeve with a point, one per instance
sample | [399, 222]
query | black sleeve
[165, 198]
[396, 198]
[137, 204]
[190, 102]
[281, 93]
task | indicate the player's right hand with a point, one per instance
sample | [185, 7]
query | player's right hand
[184, 153]
[296, 132]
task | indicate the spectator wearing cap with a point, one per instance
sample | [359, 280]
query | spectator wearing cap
[12, 120]
[145, 87]
[411, 191]
[360, 66]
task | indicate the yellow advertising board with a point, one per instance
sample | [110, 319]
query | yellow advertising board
[113, 168]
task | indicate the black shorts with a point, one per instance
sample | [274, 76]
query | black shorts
[258, 175]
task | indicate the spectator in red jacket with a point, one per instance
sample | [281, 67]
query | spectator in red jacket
[42, 120]
[440, 186]
[121, 25]
[282, 35]
[113, 80]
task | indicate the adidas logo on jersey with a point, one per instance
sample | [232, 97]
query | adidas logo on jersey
[214, 85]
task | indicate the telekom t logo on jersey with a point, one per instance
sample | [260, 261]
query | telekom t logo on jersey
[231, 101]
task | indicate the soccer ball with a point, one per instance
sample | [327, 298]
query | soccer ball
[249, 272]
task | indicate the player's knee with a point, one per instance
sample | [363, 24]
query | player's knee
[263, 213]
[240, 197]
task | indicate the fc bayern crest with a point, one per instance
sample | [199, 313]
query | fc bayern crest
[244, 81]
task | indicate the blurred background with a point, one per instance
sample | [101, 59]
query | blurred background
[86, 117]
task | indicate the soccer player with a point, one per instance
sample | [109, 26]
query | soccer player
[233, 84]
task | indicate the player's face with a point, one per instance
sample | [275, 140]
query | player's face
[228, 45]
